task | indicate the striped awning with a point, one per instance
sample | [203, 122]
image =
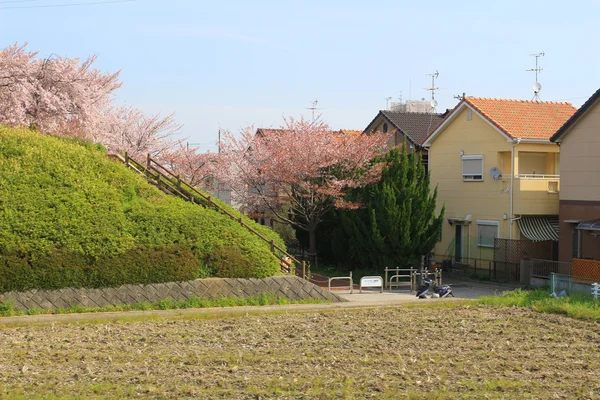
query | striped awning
[539, 228]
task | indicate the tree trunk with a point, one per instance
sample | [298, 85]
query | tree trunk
[312, 244]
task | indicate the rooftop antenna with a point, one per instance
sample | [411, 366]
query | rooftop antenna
[460, 97]
[314, 107]
[387, 102]
[536, 85]
[433, 88]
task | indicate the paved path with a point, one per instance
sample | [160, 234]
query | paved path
[461, 290]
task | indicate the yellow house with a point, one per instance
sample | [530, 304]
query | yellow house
[497, 174]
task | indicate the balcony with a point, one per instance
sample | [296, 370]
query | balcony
[536, 194]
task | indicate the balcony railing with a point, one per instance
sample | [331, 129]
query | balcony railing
[537, 176]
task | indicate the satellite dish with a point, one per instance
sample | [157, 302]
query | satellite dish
[537, 87]
[495, 173]
[434, 103]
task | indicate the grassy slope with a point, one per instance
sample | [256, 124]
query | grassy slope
[57, 193]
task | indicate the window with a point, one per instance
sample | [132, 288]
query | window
[472, 168]
[487, 231]
[385, 128]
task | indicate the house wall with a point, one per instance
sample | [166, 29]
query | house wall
[483, 200]
[489, 199]
[580, 182]
[575, 210]
[580, 158]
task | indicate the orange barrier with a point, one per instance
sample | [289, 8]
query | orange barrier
[589, 269]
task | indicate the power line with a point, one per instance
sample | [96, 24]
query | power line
[67, 4]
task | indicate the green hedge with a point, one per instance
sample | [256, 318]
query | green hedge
[67, 198]
[63, 268]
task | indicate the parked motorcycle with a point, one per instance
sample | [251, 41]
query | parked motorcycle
[438, 291]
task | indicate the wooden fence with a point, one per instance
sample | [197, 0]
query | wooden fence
[589, 269]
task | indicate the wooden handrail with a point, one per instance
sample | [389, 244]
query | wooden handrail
[177, 189]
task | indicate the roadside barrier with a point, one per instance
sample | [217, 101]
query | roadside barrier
[372, 281]
[343, 278]
[399, 273]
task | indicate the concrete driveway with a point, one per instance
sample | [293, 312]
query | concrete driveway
[461, 290]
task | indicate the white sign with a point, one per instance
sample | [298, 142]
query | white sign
[371, 281]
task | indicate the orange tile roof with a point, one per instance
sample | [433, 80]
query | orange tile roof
[351, 132]
[522, 118]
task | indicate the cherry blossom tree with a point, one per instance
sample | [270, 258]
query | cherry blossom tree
[67, 97]
[55, 95]
[126, 129]
[299, 172]
[197, 169]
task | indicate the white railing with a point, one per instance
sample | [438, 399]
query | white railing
[537, 176]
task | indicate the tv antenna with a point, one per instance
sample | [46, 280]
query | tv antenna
[313, 107]
[460, 97]
[387, 102]
[536, 85]
[433, 88]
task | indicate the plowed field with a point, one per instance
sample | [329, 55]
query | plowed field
[406, 352]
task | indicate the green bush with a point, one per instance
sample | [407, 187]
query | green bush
[65, 200]
[63, 268]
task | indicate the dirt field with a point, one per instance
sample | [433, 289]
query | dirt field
[403, 352]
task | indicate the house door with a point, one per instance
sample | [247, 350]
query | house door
[458, 245]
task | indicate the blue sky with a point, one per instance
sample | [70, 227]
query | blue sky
[238, 63]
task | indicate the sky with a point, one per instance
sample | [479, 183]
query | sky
[232, 64]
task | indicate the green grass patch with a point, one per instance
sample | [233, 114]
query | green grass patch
[71, 217]
[7, 309]
[577, 305]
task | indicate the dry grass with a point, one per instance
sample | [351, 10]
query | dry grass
[459, 351]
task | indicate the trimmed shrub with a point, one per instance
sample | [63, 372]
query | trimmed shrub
[68, 214]
[63, 268]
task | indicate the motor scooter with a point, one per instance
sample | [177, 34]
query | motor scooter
[440, 291]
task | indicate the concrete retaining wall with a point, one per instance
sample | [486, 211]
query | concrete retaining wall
[290, 287]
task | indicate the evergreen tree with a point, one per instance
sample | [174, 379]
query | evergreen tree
[397, 222]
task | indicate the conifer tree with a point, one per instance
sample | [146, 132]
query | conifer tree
[397, 222]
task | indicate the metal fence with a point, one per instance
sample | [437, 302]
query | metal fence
[569, 284]
[543, 268]
[480, 268]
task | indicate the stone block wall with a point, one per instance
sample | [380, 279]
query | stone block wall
[290, 287]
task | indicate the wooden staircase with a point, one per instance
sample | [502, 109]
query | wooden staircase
[172, 184]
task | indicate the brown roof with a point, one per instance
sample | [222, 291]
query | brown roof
[262, 131]
[415, 126]
[522, 118]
